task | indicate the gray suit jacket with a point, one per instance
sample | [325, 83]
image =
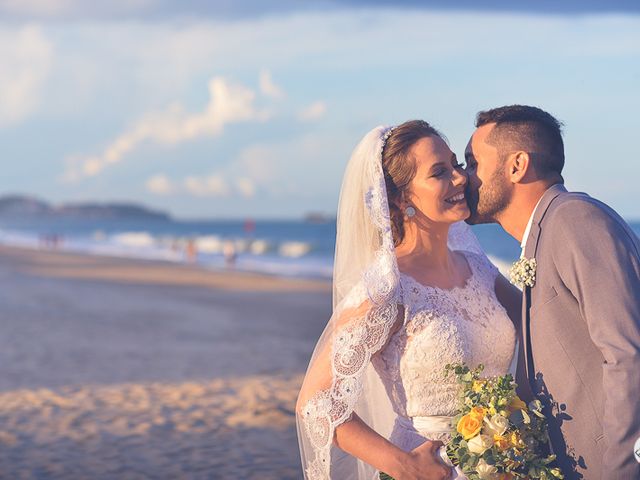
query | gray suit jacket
[581, 329]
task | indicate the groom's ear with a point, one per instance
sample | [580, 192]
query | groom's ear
[519, 164]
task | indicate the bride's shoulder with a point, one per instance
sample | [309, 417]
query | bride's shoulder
[480, 264]
[356, 296]
[358, 308]
[361, 294]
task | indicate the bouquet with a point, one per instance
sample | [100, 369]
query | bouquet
[495, 434]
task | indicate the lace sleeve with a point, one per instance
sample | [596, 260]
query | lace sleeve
[334, 381]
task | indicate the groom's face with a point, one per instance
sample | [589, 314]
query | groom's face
[488, 189]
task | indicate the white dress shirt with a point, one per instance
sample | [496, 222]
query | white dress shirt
[523, 243]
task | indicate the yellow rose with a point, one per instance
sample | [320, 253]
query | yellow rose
[469, 426]
[478, 412]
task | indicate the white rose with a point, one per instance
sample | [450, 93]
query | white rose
[479, 444]
[496, 425]
[484, 470]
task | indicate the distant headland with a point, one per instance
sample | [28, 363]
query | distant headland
[26, 206]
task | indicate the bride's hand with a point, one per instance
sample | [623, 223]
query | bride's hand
[424, 463]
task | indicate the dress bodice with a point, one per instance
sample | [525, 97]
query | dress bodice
[464, 324]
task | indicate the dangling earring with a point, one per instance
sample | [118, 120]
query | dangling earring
[409, 211]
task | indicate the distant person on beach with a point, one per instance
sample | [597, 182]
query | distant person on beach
[51, 241]
[191, 251]
[413, 292]
[581, 316]
[229, 253]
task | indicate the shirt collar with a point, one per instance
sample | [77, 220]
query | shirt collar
[523, 244]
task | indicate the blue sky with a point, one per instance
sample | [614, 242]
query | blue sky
[234, 109]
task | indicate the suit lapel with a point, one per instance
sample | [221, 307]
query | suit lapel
[545, 202]
[530, 252]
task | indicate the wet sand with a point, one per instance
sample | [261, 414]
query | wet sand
[113, 368]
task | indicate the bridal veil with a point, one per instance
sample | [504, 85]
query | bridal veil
[367, 309]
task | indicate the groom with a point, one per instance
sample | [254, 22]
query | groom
[581, 312]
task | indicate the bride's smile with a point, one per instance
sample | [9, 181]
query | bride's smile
[437, 188]
[457, 198]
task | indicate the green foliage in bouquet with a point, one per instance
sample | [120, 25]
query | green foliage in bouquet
[495, 434]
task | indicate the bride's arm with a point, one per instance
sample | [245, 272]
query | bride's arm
[354, 436]
[358, 439]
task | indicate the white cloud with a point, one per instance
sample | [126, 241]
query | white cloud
[160, 184]
[45, 8]
[26, 61]
[72, 9]
[256, 162]
[268, 87]
[227, 104]
[213, 185]
[307, 165]
[210, 186]
[36, 7]
[246, 187]
[313, 112]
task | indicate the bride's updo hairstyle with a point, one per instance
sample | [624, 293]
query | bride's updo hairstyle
[399, 167]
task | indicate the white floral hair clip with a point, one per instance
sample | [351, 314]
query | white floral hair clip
[385, 137]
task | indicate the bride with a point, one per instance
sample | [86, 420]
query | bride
[412, 292]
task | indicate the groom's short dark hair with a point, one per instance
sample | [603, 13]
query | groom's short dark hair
[530, 129]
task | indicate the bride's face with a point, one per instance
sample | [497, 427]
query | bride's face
[437, 191]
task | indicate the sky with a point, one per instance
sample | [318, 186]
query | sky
[234, 109]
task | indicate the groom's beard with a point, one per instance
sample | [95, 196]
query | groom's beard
[489, 200]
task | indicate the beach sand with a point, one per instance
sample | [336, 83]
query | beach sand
[130, 369]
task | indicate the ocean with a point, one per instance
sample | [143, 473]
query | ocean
[293, 248]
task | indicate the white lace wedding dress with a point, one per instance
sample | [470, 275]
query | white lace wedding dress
[465, 324]
[370, 362]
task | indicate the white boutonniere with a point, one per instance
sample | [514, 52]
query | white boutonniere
[523, 273]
